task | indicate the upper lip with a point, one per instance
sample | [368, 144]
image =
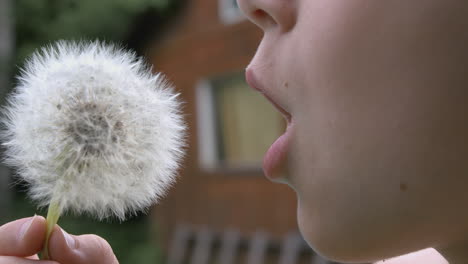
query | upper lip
[255, 84]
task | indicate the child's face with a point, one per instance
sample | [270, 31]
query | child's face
[378, 94]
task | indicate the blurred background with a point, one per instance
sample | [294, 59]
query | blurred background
[222, 210]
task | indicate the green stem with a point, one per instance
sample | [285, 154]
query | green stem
[53, 215]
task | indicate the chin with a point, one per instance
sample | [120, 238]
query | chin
[335, 240]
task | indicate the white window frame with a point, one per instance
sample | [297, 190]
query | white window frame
[206, 126]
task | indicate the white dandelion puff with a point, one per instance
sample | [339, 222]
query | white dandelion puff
[92, 130]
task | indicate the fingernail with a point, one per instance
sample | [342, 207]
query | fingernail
[25, 227]
[71, 242]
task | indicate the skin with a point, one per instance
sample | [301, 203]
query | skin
[21, 240]
[377, 91]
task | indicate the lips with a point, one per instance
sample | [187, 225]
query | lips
[276, 158]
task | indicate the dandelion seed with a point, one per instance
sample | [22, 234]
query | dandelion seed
[92, 130]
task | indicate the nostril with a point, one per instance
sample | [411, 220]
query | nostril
[259, 13]
[263, 17]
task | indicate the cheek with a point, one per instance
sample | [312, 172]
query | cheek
[381, 133]
[368, 99]
[368, 193]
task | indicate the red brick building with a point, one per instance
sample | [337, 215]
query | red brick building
[230, 126]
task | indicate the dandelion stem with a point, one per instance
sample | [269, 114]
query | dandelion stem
[53, 215]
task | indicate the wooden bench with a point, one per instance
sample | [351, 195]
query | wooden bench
[192, 245]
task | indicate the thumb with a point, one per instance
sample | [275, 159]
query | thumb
[84, 249]
[23, 237]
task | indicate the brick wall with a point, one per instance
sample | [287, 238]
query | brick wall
[197, 47]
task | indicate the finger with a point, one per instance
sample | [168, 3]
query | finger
[23, 237]
[85, 249]
[18, 260]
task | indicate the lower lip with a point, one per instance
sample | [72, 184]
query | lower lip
[276, 158]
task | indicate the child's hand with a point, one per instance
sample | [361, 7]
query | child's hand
[22, 239]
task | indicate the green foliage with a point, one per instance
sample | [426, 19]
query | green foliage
[39, 22]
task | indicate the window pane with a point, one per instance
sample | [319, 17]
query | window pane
[246, 124]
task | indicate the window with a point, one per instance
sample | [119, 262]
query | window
[236, 125]
[229, 12]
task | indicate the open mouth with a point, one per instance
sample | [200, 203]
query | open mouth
[286, 115]
[252, 81]
[276, 158]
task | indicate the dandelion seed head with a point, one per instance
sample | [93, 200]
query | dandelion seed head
[91, 126]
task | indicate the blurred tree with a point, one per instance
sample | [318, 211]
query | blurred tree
[42, 22]
[6, 50]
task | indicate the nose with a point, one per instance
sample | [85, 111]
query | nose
[269, 14]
